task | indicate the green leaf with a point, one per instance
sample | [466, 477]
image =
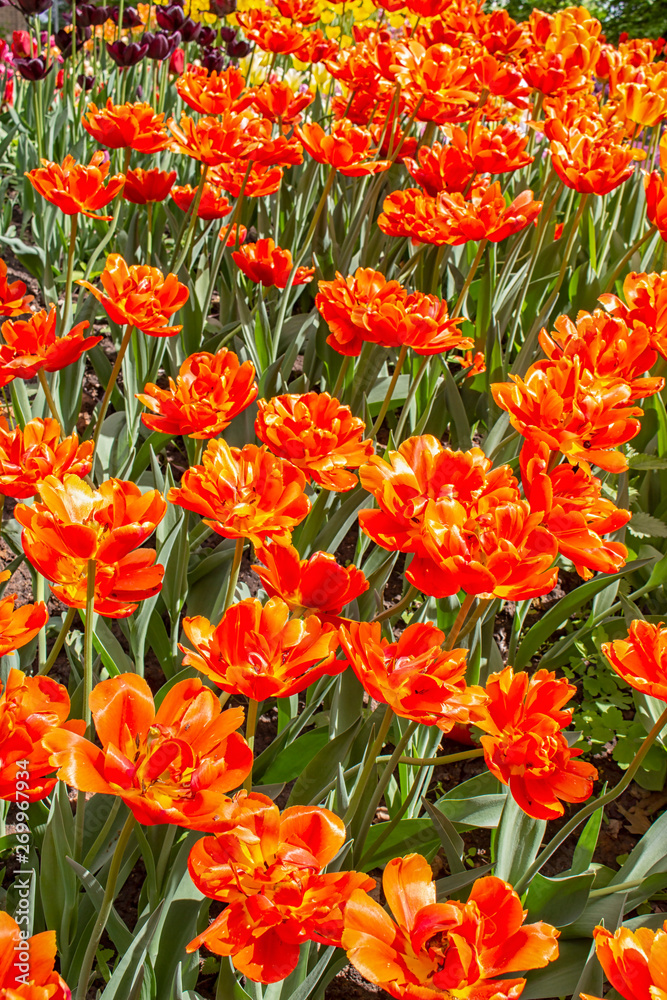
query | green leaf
[408, 836]
[544, 629]
[451, 841]
[291, 761]
[558, 901]
[116, 928]
[519, 839]
[323, 768]
[478, 802]
[645, 525]
[125, 983]
[559, 978]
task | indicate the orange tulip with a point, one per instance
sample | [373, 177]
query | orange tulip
[268, 869]
[415, 676]
[39, 980]
[645, 305]
[212, 205]
[173, 765]
[127, 126]
[318, 584]
[565, 49]
[32, 345]
[75, 523]
[365, 307]
[655, 187]
[434, 950]
[591, 157]
[209, 391]
[213, 141]
[13, 300]
[210, 93]
[346, 148]
[271, 36]
[606, 348]
[267, 264]
[317, 434]
[438, 82]
[524, 746]
[278, 102]
[261, 180]
[30, 708]
[28, 456]
[260, 652]
[574, 412]
[245, 493]
[634, 962]
[75, 188]
[139, 295]
[641, 659]
[575, 511]
[466, 524]
[454, 220]
[145, 186]
[303, 11]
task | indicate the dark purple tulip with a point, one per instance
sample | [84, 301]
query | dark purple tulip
[131, 17]
[170, 17]
[33, 69]
[238, 49]
[63, 39]
[190, 30]
[213, 60]
[227, 34]
[207, 36]
[33, 7]
[222, 7]
[160, 44]
[85, 82]
[87, 15]
[126, 53]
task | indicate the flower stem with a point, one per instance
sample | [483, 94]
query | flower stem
[233, 574]
[67, 308]
[49, 396]
[371, 761]
[401, 605]
[250, 727]
[337, 389]
[87, 688]
[414, 385]
[112, 381]
[390, 391]
[593, 806]
[461, 301]
[194, 208]
[450, 758]
[460, 618]
[114, 222]
[626, 257]
[41, 636]
[60, 641]
[105, 908]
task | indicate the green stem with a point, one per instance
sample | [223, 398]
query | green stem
[390, 391]
[233, 574]
[250, 727]
[412, 391]
[593, 806]
[479, 611]
[149, 235]
[460, 619]
[461, 301]
[340, 381]
[194, 208]
[105, 908]
[112, 381]
[371, 761]
[165, 853]
[103, 836]
[41, 636]
[67, 308]
[546, 309]
[394, 821]
[400, 606]
[50, 402]
[87, 688]
[626, 257]
[450, 758]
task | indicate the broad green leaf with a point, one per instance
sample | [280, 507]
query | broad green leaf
[451, 842]
[408, 836]
[478, 801]
[291, 761]
[519, 839]
[322, 769]
[558, 901]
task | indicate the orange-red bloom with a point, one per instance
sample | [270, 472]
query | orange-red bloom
[575, 511]
[127, 126]
[645, 305]
[13, 298]
[145, 186]
[28, 456]
[434, 950]
[524, 745]
[210, 93]
[173, 765]
[634, 962]
[245, 493]
[139, 295]
[365, 307]
[590, 157]
[277, 102]
[346, 148]
[641, 659]
[317, 434]
[209, 391]
[260, 180]
[75, 188]
[465, 523]
[31, 344]
[212, 205]
[260, 651]
[572, 411]
[75, 523]
[40, 980]
[454, 219]
[415, 676]
[268, 869]
[318, 584]
[30, 708]
[267, 264]
[655, 186]
[214, 141]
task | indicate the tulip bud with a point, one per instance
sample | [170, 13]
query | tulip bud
[126, 54]
[177, 62]
[87, 15]
[131, 17]
[32, 8]
[33, 69]
[206, 36]
[160, 44]
[213, 60]
[21, 45]
[170, 17]
[222, 7]
[85, 82]
[238, 49]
